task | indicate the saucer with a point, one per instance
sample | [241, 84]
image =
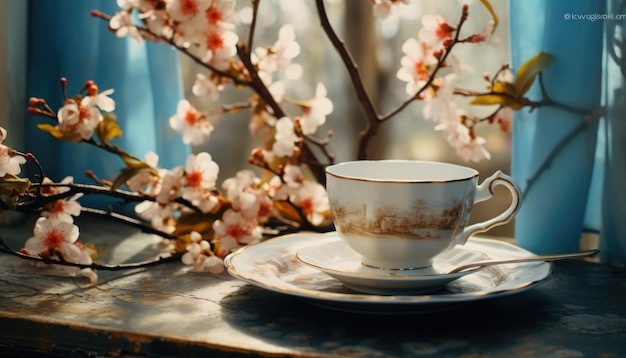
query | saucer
[336, 259]
[272, 265]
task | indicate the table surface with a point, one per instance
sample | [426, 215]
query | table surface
[164, 311]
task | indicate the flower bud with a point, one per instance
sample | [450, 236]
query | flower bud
[33, 110]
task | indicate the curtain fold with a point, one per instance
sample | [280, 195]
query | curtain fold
[556, 187]
[580, 187]
[613, 198]
[66, 41]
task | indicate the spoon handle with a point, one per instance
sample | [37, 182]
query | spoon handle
[526, 259]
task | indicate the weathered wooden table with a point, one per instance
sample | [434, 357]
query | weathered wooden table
[162, 311]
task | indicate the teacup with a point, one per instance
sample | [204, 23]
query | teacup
[401, 214]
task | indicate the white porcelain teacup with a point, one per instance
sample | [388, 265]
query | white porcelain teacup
[400, 214]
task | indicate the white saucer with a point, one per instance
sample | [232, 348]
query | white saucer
[339, 261]
[272, 265]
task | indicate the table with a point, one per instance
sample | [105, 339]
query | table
[163, 311]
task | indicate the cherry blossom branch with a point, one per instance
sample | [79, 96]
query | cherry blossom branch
[374, 119]
[256, 83]
[73, 188]
[558, 148]
[441, 60]
[547, 101]
[230, 108]
[321, 144]
[128, 221]
[371, 114]
[316, 164]
[4, 248]
[588, 118]
[151, 35]
[255, 11]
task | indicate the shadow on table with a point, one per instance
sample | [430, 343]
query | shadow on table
[290, 322]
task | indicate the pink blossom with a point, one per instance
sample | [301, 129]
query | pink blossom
[279, 55]
[9, 164]
[55, 239]
[473, 150]
[245, 194]
[237, 186]
[417, 65]
[441, 106]
[313, 201]
[486, 35]
[200, 177]
[144, 178]
[456, 133]
[382, 8]
[200, 172]
[203, 86]
[469, 147]
[159, 215]
[51, 235]
[503, 118]
[171, 185]
[196, 129]
[122, 24]
[436, 30]
[101, 100]
[157, 21]
[127, 4]
[199, 255]
[221, 13]
[318, 108]
[285, 138]
[79, 119]
[235, 226]
[293, 175]
[165, 189]
[63, 210]
[47, 190]
[187, 11]
[217, 47]
[3, 134]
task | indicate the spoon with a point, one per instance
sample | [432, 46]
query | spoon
[525, 259]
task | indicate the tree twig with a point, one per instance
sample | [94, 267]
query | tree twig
[4, 248]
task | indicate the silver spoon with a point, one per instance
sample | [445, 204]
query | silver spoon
[525, 259]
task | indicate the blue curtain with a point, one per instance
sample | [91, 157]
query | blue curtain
[66, 41]
[580, 187]
[613, 173]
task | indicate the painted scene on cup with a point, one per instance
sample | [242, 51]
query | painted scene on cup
[420, 221]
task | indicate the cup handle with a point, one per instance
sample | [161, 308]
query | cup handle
[485, 191]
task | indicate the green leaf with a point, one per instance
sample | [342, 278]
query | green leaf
[487, 5]
[529, 70]
[108, 128]
[126, 174]
[133, 167]
[14, 184]
[504, 88]
[131, 161]
[496, 99]
[11, 184]
[194, 221]
[59, 134]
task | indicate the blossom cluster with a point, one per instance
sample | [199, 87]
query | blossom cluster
[422, 57]
[238, 210]
[206, 220]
